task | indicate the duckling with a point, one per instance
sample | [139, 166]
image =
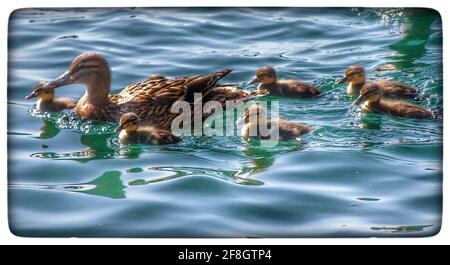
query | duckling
[356, 77]
[151, 100]
[266, 76]
[256, 118]
[131, 132]
[372, 99]
[47, 100]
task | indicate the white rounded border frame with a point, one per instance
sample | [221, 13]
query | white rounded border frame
[7, 238]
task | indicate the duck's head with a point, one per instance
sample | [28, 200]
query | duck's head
[354, 74]
[45, 94]
[157, 77]
[89, 69]
[264, 75]
[255, 113]
[128, 122]
[369, 93]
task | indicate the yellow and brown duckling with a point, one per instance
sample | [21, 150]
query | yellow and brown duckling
[131, 132]
[151, 100]
[47, 100]
[371, 98]
[356, 77]
[256, 118]
[266, 76]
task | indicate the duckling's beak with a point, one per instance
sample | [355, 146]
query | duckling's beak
[254, 81]
[118, 129]
[62, 80]
[342, 80]
[359, 100]
[32, 95]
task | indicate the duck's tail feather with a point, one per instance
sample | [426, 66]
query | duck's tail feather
[229, 94]
[204, 84]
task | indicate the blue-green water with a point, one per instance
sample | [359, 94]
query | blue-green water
[355, 175]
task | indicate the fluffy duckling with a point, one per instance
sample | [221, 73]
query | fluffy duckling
[356, 77]
[372, 99]
[256, 118]
[47, 100]
[131, 132]
[266, 76]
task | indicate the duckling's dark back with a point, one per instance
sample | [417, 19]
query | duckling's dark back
[392, 89]
[291, 130]
[152, 135]
[407, 110]
[293, 88]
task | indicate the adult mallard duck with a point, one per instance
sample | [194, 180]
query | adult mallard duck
[256, 119]
[356, 77]
[132, 132]
[151, 100]
[47, 100]
[372, 99]
[266, 76]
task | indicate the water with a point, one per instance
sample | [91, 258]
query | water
[355, 175]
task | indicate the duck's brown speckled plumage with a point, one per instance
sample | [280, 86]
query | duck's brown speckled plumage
[356, 77]
[371, 97]
[286, 130]
[267, 78]
[132, 132]
[223, 94]
[151, 99]
[47, 100]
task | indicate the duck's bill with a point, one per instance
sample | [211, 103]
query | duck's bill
[253, 81]
[33, 94]
[118, 129]
[359, 100]
[342, 80]
[60, 81]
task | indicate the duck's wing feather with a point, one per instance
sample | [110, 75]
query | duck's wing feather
[167, 91]
[203, 84]
[159, 91]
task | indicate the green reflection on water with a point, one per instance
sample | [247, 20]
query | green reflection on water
[108, 185]
[416, 32]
